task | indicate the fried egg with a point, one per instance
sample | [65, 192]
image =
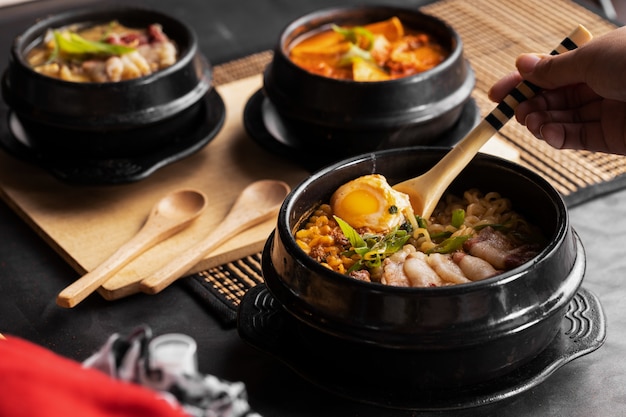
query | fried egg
[369, 201]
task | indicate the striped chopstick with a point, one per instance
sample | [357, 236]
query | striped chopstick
[525, 90]
[425, 190]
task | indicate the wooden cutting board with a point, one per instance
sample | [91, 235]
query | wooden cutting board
[85, 225]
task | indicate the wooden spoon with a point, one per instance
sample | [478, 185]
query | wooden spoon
[426, 190]
[170, 215]
[258, 202]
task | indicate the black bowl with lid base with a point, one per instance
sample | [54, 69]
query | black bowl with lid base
[349, 117]
[101, 118]
[344, 143]
[76, 144]
[454, 335]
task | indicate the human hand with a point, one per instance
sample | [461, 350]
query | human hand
[583, 105]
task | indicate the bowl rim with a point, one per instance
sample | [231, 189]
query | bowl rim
[33, 34]
[286, 233]
[325, 16]
[113, 105]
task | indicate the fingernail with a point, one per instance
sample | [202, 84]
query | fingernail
[553, 135]
[540, 135]
[525, 121]
[527, 62]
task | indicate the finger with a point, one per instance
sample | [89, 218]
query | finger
[598, 126]
[536, 106]
[591, 112]
[614, 125]
[552, 71]
[577, 136]
[577, 98]
[537, 121]
[570, 97]
[504, 86]
[592, 137]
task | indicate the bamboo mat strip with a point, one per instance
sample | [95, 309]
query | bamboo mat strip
[494, 34]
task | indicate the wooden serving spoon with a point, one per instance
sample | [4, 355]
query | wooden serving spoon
[170, 215]
[258, 202]
[426, 190]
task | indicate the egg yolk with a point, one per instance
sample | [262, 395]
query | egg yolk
[360, 202]
[369, 201]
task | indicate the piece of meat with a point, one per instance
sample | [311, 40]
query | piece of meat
[419, 273]
[339, 238]
[393, 268]
[114, 67]
[96, 70]
[473, 267]
[318, 253]
[446, 268]
[155, 31]
[521, 255]
[361, 275]
[500, 251]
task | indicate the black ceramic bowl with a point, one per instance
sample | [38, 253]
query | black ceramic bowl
[446, 336]
[346, 117]
[102, 119]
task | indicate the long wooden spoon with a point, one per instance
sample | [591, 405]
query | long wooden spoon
[426, 190]
[258, 202]
[170, 215]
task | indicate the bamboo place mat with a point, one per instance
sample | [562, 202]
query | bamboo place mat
[494, 34]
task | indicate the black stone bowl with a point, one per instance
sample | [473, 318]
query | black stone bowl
[112, 118]
[348, 117]
[456, 335]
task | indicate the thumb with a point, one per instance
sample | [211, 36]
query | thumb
[550, 71]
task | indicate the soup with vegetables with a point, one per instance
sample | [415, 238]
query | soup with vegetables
[109, 52]
[368, 231]
[374, 52]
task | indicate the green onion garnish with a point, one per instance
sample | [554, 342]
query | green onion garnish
[74, 44]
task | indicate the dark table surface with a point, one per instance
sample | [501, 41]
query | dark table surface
[31, 273]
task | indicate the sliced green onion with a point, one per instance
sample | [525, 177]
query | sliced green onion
[458, 218]
[440, 236]
[421, 222]
[372, 249]
[74, 44]
[450, 245]
[494, 226]
[352, 35]
[356, 52]
[353, 236]
[353, 54]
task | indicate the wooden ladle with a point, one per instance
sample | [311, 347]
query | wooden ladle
[426, 190]
[170, 215]
[258, 202]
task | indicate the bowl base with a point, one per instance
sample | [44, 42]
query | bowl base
[264, 324]
[266, 127]
[106, 143]
[78, 169]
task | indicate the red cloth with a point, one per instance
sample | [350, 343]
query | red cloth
[36, 382]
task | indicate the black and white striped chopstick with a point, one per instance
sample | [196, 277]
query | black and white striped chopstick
[525, 90]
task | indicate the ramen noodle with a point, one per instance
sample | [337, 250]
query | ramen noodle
[108, 52]
[468, 238]
[374, 52]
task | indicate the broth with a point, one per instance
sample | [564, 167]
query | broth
[377, 51]
[109, 52]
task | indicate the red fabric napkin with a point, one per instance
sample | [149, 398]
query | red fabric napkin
[36, 382]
